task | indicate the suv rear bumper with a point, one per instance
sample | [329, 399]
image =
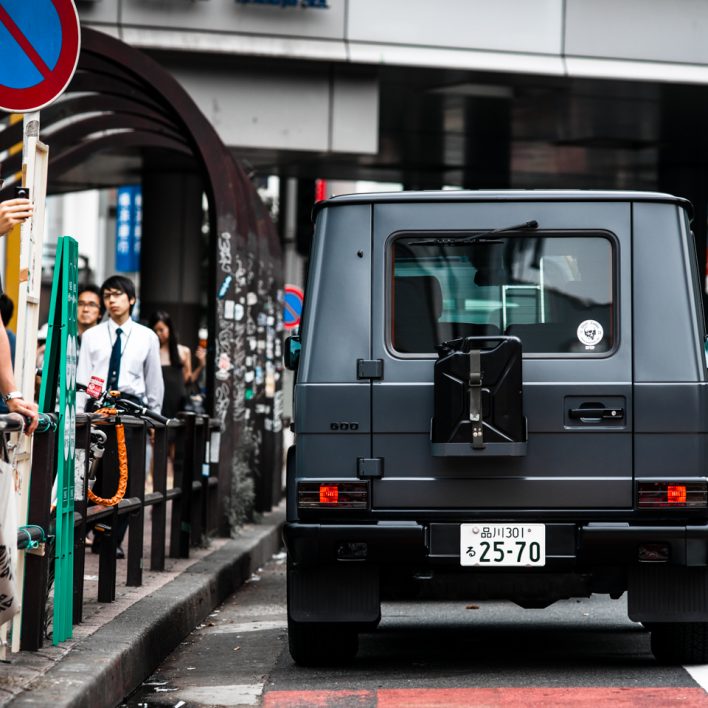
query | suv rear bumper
[580, 545]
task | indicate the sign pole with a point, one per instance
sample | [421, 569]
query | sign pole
[34, 175]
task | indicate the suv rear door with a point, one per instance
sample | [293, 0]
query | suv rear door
[572, 462]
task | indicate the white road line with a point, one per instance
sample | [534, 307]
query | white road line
[699, 674]
[233, 695]
[243, 627]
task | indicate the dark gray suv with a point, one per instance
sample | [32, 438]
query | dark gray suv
[499, 395]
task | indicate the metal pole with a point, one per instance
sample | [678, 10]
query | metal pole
[34, 175]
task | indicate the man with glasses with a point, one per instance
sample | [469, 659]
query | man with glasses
[125, 354]
[89, 308]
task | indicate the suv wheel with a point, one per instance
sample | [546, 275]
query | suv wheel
[318, 644]
[680, 642]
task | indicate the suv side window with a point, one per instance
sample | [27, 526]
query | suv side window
[698, 293]
[553, 291]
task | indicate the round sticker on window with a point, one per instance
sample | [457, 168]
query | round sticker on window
[590, 333]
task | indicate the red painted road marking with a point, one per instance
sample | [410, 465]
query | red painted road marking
[26, 45]
[571, 697]
[319, 699]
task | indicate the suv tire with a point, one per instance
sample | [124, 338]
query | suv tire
[318, 644]
[680, 642]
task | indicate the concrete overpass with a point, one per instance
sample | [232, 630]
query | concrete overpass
[571, 91]
[551, 93]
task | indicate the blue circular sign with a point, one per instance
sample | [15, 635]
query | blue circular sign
[39, 50]
[29, 49]
[292, 306]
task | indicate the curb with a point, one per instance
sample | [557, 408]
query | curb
[111, 663]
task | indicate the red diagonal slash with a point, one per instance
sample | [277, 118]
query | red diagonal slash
[24, 43]
[289, 308]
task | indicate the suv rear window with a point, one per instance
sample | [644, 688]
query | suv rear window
[553, 291]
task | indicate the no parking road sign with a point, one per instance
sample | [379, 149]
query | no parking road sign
[39, 50]
[292, 307]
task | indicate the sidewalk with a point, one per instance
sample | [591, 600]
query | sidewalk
[119, 644]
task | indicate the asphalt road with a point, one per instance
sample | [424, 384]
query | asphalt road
[580, 653]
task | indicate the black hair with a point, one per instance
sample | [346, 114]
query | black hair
[119, 282]
[90, 288]
[7, 307]
[162, 316]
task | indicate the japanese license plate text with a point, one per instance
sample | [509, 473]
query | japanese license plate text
[496, 545]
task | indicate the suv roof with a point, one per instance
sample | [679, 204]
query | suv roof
[531, 195]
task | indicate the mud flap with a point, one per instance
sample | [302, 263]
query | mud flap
[667, 594]
[334, 593]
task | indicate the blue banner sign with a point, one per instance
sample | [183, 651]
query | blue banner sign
[129, 227]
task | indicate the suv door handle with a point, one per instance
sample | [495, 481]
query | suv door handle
[596, 413]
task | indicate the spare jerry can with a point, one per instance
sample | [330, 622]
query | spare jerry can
[478, 398]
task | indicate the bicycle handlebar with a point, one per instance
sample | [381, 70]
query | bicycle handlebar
[140, 410]
[127, 406]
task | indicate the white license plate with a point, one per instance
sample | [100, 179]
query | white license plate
[496, 545]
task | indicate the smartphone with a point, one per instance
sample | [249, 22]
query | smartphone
[22, 192]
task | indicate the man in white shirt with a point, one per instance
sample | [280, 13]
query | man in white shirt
[125, 354]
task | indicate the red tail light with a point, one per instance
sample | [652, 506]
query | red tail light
[686, 495]
[329, 493]
[333, 495]
[676, 493]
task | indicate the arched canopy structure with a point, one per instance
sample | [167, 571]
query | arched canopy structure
[121, 105]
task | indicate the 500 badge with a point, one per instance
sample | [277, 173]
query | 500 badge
[344, 427]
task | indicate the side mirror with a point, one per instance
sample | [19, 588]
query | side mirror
[291, 355]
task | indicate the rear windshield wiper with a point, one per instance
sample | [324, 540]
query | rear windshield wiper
[480, 237]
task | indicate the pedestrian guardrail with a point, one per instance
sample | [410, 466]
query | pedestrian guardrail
[183, 510]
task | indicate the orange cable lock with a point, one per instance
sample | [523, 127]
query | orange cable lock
[122, 464]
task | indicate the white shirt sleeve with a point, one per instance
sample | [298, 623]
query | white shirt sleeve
[82, 367]
[83, 375]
